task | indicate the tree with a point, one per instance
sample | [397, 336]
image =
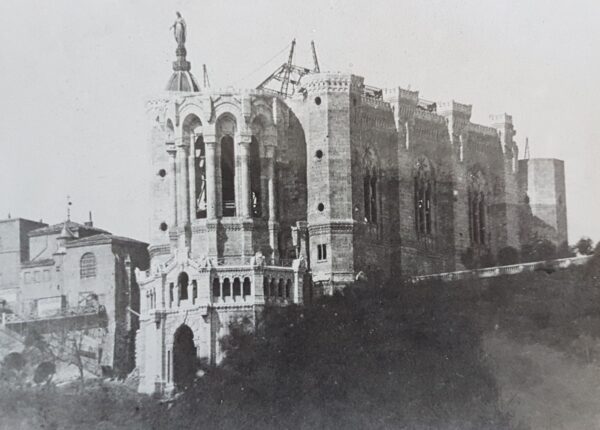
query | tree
[508, 255]
[565, 251]
[67, 346]
[585, 246]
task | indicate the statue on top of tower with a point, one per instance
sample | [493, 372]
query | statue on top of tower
[179, 30]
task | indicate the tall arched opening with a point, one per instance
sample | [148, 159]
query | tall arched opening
[228, 176]
[184, 357]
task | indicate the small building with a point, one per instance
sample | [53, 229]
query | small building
[78, 276]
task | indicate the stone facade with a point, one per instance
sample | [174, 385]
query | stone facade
[70, 268]
[261, 199]
[542, 182]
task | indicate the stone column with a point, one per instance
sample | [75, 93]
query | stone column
[183, 193]
[211, 179]
[272, 191]
[245, 200]
[173, 177]
[271, 184]
[192, 176]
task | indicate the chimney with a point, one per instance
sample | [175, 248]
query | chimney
[89, 223]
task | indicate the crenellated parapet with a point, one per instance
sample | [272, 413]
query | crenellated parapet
[333, 82]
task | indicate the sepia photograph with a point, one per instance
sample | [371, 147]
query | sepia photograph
[318, 214]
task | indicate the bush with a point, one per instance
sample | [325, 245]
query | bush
[540, 249]
[44, 372]
[507, 256]
[487, 260]
[585, 246]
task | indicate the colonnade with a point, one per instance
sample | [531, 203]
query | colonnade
[182, 162]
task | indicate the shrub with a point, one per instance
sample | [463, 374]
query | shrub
[585, 246]
[540, 249]
[487, 260]
[508, 255]
[44, 372]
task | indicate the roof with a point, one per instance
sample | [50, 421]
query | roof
[70, 225]
[104, 238]
[23, 220]
[182, 81]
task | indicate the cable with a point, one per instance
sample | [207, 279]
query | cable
[262, 65]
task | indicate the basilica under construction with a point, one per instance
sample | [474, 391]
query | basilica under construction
[277, 194]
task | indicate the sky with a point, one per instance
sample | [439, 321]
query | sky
[75, 76]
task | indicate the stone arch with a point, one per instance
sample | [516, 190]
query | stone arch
[191, 108]
[228, 108]
[184, 357]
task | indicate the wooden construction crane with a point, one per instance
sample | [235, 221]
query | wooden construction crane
[316, 68]
[286, 74]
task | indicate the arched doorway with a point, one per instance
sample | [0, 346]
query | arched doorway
[184, 357]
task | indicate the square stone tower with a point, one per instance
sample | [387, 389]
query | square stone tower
[543, 181]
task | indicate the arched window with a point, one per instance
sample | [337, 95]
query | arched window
[228, 176]
[477, 208]
[226, 287]
[216, 288]
[266, 287]
[423, 197]
[288, 289]
[87, 266]
[273, 288]
[247, 287]
[371, 200]
[194, 291]
[182, 285]
[236, 287]
[280, 288]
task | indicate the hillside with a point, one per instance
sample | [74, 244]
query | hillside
[512, 352]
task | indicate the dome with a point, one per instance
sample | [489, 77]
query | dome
[182, 80]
